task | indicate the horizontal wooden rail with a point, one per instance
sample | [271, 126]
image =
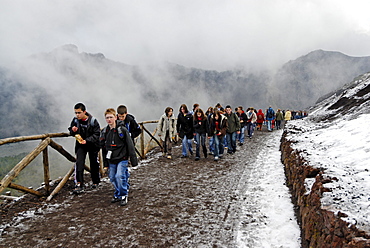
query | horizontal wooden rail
[32, 137]
[6, 182]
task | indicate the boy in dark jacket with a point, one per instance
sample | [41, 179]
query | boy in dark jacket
[117, 148]
[86, 129]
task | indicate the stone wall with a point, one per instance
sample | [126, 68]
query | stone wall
[320, 228]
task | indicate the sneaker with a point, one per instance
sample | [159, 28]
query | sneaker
[169, 157]
[115, 199]
[184, 156]
[95, 186]
[197, 158]
[78, 190]
[124, 200]
[216, 158]
[240, 144]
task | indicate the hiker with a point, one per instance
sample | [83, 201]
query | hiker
[217, 129]
[86, 129]
[200, 131]
[209, 114]
[243, 120]
[252, 118]
[270, 116]
[167, 130]
[117, 148]
[278, 118]
[185, 130]
[260, 119]
[288, 115]
[129, 122]
[233, 129]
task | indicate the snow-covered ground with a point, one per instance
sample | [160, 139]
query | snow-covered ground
[336, 139]
[267, 218]
[342, 149]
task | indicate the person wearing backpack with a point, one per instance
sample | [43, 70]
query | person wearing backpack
[129, 122]
[86, 129]
[117, 147]
[270, 116]
[167, 131]
[233, 129]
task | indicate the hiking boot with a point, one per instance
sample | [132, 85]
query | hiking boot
[115, 199]
[197, 158]
[124, 200]
[216, 158]
[184, 156]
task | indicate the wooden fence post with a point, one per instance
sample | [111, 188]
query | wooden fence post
[45, 158]
[142, 140]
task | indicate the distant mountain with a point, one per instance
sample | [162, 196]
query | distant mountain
[303, 81]
[51, 83]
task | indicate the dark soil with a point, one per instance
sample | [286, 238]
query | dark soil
[172, 203]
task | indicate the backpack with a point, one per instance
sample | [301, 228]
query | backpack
[270, 113]
[259, 117]
[120, 131]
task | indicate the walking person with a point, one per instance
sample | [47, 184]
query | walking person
[233, 129]
[270, 116]
[86, 129]
[278, 118]
[201, 128]
[117, 148]
[252, 118]
[185, 130]
[260, 119]
[209, 114]
[217, 129]
[243, 120]
[167, 130]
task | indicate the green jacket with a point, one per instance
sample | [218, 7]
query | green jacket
[234, 123]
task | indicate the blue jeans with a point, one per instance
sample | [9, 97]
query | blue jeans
[269, 125]
[201, 141]
[211, 145]
[250, 127]
[218, 145]
[241, 135]
[119, 175]
[186, 145]
[231, 142]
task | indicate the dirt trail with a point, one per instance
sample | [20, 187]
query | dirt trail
[172, 203]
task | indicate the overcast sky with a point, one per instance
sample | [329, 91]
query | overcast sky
[208, 34]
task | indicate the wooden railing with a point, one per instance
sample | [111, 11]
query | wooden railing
[46, 140]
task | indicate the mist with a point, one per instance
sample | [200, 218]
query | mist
[212, 35]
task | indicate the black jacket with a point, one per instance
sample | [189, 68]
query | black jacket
[89, 130]
[203, 127]
[132, 126]
[119, 143]
[185, 126]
